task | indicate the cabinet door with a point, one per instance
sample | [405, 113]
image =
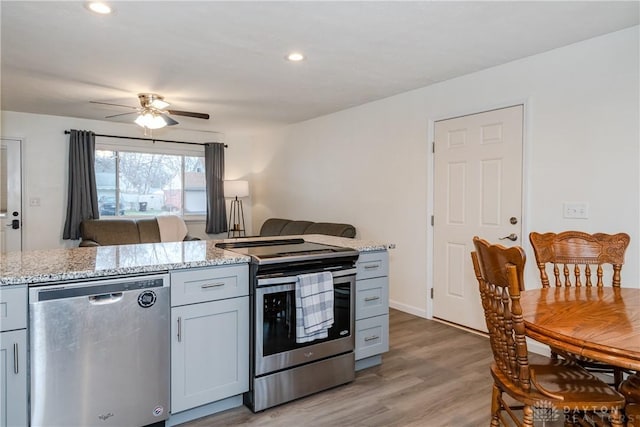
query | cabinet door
[13, 308]
[209, 352]
[13, 378]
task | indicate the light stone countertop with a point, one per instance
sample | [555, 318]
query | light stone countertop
[360, 245]
[54, 265]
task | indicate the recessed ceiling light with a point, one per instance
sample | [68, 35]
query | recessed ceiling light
[99, 7]
[295, 57]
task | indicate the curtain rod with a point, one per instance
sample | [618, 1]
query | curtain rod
[67, 132]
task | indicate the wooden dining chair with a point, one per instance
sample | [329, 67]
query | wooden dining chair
[630, 389]
[545, 387]
[581, 259]
[589, 254]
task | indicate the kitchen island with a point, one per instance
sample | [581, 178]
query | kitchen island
[56, 265]
[188, 264]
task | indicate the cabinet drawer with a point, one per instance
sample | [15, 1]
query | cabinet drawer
[372, 336]
[372, 297]
[372, 264]
[13, 308]
[208, 284]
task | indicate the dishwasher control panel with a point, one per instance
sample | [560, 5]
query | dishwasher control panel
[110, 287]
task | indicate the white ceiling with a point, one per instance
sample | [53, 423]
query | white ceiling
[227, 58]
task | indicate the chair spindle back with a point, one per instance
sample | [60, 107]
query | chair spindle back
[499, 271]
[577, 256]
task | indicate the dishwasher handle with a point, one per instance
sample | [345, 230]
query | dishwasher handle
[105, 298]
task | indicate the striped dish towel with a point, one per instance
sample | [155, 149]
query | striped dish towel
[314, 306]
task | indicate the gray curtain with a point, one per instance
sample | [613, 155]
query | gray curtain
[82, 196]
[214, 171]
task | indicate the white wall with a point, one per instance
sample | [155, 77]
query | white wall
[371, 166]
[45, 168]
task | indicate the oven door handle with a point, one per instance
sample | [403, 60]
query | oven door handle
[292, 279]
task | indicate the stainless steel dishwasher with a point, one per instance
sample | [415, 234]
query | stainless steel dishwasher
[100, 352]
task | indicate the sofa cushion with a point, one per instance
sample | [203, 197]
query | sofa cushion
[295, 227]
[148, 230]
[110, 232]
[283, 227]
[121, 231]
[273, 226]
[331, 229]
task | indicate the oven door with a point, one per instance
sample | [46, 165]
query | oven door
[275, 324]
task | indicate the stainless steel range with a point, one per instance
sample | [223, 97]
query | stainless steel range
[283, 369]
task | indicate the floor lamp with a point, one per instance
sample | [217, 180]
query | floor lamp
[235, 189]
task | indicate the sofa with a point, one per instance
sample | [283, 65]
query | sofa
[121, 231]
[282, 227]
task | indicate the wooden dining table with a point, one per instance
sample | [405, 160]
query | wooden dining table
[599, 323]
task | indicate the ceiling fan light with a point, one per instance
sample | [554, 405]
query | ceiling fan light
[159, 104]
[157, 122]
[142, 120]
[150, 120]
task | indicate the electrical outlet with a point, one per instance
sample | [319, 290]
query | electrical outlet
[579, 210]
[34, 201]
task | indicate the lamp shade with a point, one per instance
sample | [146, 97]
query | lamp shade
[236, 189]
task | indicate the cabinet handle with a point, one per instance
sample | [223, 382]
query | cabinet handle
[212, 285]
[179, 329]
[16, 368]
[371, 338]
[371, 267]
[371, 298]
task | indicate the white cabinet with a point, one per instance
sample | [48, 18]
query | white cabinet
[13, 356]
[372, 308]
[210, 335]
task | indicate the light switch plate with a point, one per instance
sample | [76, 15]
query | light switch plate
[579, 210]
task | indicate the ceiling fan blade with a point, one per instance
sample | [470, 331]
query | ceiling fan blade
[121, 114]
[116, 105]
[188, 114]
[169, 120]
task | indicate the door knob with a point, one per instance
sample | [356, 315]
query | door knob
[513, 237]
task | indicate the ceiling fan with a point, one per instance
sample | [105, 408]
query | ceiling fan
[152, 113]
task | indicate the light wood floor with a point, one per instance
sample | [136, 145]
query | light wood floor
[433, 375]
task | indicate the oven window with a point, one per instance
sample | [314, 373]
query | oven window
[279, 320]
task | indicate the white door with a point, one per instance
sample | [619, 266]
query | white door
[478, 192]
[10, 196]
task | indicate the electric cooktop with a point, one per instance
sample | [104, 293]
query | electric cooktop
[283, 250]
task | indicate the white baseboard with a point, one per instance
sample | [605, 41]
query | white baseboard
[532, 346]
[416, 311]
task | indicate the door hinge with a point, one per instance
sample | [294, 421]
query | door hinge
[432, 221]
[431, 293]
[433, 147]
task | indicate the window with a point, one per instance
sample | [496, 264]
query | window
[137, 183]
